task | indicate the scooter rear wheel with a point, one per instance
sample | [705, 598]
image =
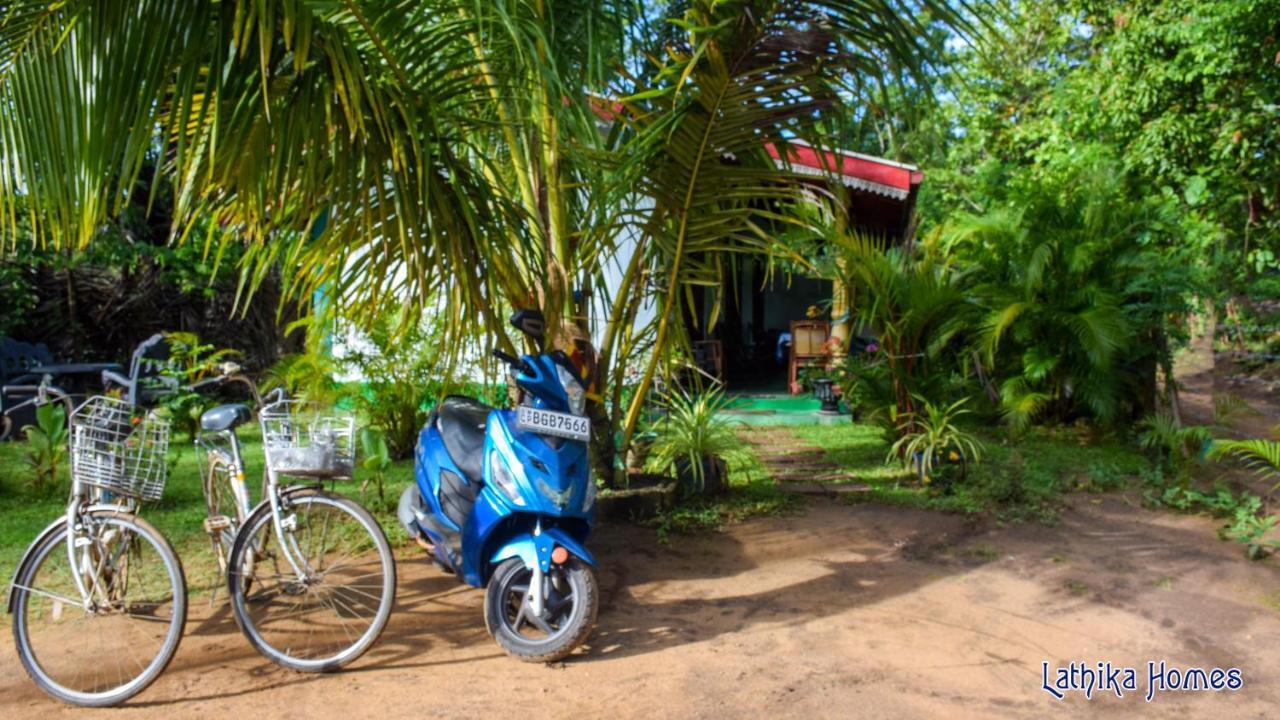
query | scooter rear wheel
[572, 599]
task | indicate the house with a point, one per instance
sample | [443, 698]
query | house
[744, 347]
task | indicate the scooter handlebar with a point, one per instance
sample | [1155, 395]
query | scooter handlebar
[513, 361]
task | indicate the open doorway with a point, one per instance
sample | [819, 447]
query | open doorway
[756, 314]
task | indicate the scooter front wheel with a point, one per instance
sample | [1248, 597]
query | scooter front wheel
[571, 600]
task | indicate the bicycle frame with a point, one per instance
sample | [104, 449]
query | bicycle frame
[240, 492]
[81, 501]
[271, 490]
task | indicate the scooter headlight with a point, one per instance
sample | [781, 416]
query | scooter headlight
[589, 497]
[573, 388]
[505, 481]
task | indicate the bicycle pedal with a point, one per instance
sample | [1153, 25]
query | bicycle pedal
[216, 523]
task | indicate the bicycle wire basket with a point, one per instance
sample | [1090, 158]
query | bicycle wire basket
[120, 448]
[302, 440]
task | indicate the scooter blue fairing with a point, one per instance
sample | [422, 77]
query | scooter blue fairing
[525, 494]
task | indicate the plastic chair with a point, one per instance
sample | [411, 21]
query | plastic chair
[146, 382]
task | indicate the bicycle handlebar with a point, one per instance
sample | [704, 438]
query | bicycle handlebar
[231, 374]
[41, 396]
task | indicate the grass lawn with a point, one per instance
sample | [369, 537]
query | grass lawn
[1016, 479]
[179, 514]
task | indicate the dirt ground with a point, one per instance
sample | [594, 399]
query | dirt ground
[839, 611]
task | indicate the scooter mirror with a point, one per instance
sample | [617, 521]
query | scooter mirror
[529, 322]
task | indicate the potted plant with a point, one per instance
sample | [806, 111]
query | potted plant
[934, 446]
[695, 439]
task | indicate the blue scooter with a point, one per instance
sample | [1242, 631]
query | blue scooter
[504, 499]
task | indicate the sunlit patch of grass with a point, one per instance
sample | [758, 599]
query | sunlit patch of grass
[1019, 478]
[985, 553]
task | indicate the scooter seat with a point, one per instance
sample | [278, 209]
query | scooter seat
[461, 421]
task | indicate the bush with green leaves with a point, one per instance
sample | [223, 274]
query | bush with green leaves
[310, 374]
[1250, 526]
[376, 458]
[930, 439]
[1172, 444]
[401, 369]
[46, 447]
[190, 360]
[1249, 517]
[1081, 300]
[916, 300]
[693, 430]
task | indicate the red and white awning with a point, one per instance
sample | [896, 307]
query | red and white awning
[854, 170]
[865, 173]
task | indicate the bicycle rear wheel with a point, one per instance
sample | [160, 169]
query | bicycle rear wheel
[107, 653]
[334, 612]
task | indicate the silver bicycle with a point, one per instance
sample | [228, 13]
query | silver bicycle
[99, 600]
[310, 573]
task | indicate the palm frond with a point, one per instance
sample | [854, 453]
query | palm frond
[1261, 456]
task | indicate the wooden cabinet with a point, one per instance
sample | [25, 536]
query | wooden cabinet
[808, 347]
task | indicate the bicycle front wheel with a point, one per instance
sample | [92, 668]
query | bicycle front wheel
[109, 649]
[331, 613]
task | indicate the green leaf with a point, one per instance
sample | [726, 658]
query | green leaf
[1195, 189]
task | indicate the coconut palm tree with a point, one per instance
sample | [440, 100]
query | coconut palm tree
[444, 154]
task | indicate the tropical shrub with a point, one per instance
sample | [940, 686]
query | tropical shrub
[46, 446]
[310, 374]
[1172, 444]
[930, 439]
[376, 458]
[400, 368]
[915, 300]
[1081, 303]
[190, 360]
[693, 433]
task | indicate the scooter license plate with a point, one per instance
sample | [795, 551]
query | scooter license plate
[549, 422]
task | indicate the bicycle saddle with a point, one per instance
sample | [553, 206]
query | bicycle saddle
[225, 417]
[462, 421]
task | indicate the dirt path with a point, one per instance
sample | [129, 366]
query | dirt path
[797, 467]
[840, 611]
[1204, 375]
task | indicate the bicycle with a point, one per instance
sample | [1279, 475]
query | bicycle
[101, 571]
[302, 585]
